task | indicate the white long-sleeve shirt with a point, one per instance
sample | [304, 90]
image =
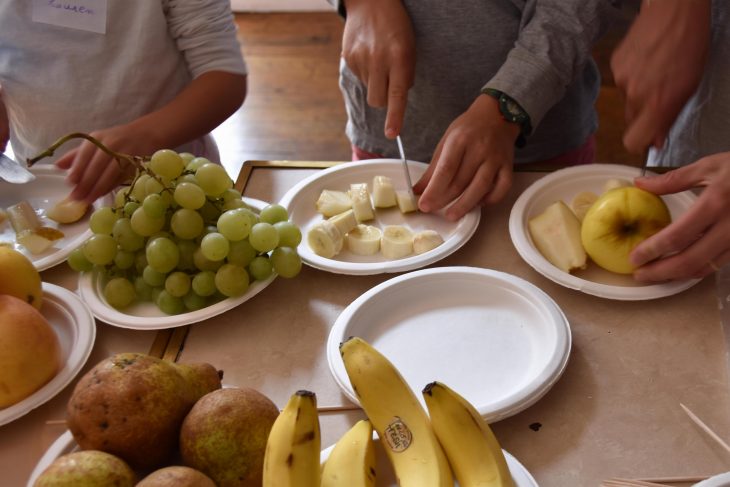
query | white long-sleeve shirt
[58, 79]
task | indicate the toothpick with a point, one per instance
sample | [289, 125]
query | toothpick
[706, 428]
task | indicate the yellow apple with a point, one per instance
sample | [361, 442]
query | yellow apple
[30, 354]
[617, 222]
[19, 278]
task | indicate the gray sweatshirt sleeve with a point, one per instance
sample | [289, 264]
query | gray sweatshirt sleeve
[554, 43]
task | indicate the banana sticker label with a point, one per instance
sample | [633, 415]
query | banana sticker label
[397, 435]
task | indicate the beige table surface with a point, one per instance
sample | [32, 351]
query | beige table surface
[614, 412]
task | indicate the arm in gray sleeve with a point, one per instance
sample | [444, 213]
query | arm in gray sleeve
[554, 43]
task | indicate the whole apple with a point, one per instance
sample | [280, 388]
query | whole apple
[617, 222]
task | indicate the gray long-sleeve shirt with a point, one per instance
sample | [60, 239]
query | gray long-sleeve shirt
[536, 51]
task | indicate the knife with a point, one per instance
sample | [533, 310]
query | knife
[14, 172]
[405, 167]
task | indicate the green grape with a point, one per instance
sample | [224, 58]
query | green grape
[156, 293]
[187, 178]
[193, 302]
[253, 217]
[273, 213]
[286, 261]
[241, 253]
[189, 195]
[260, 268]
[140, 261]
[264, 237]
[186, 224]
[145, 225]
[167, 163]
[214, 246]
[100, 249]
[187, 250]
[129, 208]
[152, 277]
[231, 194]
[103, 219]
[124, 259]
[177, 284]
[231, 280]
[203, 263]
[233, 205]
[121, 196]
[234, 225]
[153, 186]
[163, 255]
[126, 237]
[213, 179]
[142, 289]
[169, 304]
[119, 292]
[209, 212]
[196, 164]
[289, 234]
[204, 283]
[186, 157]
[154, 205]
[139, 191]
[78, 261]
[161, 233]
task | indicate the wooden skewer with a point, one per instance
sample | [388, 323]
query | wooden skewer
[706, 428]
[616, 482]
[676, 480]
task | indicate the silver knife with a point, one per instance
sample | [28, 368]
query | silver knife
[14, 172]
[405, 167]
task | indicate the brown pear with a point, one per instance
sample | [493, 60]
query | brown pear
[132, 405]
[176, 476]
[89, 468]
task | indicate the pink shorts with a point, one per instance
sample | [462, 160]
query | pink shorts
[575, 157]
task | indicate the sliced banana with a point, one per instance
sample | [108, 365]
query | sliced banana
[331, 203]
[581, 202]
[396, 242]
[344, 221]
[383, 192]
[406, 202]
[360, 197]
[426, 240]
[325, 239]
[364, 240]
[614, 183]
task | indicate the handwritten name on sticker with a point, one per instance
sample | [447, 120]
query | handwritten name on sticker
[86, 15]
[71, 7]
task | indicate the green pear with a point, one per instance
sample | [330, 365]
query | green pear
[225, 433]
[89, 468]
[176, 476]
[132, 405]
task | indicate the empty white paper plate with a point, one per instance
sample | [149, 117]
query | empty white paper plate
[564, 185]
[386, 478]
[494, 338]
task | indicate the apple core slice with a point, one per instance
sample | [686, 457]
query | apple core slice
[556, 234]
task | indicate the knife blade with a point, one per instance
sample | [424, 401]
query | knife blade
[405, 167]
[14, 172]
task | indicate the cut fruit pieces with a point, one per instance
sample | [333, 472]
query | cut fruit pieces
[582, 202]
[406, 202]
[23, 217]
[396, 242]
[345, 221]
[556, 234]
[37, 241]
[383, 192]
[331, 203]
[364, 240]
[615, 183]
[67, 211]
[426, 240]
[325, 240]
[360, 197]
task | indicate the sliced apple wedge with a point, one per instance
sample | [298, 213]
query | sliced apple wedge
[556, 234]
[67, 211]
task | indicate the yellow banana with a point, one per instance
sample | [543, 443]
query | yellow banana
[352, 460]
[293, 447]
[471, 447]
[397, 415]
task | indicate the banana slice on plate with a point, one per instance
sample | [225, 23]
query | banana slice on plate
[345, 221]
[582, 202]
[361, 204]
[383, 192]
[426, 240]
[614, 183]
[331, 203]
[406, 202]
[325, 239]
[396, 242]
[364, 240]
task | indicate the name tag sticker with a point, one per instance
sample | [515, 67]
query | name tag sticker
[88, 15]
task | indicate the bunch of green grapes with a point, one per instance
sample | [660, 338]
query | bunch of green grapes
[182, 237]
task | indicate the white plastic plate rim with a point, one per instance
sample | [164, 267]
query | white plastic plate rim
[51, 177]
[520, 474]
[64, 444]
[91, 291]
[78, 318]
[464, 228]
[516, 401]
[720, 480]
[523, 243]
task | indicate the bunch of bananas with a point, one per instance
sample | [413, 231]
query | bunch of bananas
[424, 448]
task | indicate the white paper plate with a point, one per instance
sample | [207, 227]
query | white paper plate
[496, 339]
[386, 478]
[721, 480]
[64, 444]
[43, 193]
[563, 185]
[301, 203]
[145, 315]
[74, 325]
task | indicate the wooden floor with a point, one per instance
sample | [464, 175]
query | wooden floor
[294, 108]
